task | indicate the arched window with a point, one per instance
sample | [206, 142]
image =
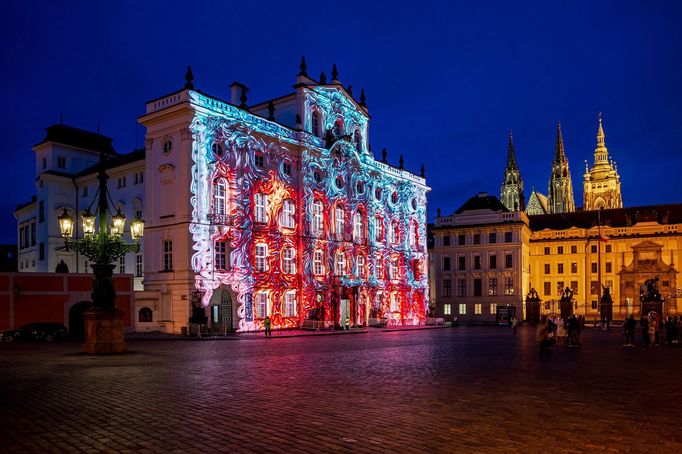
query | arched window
[340, 264]
[287, 219]
[357, 138]
[359, 226]
[339, 219]
[219, 196]
[315, 123]
[360, 266]
[144, 315]
[289, 260]
[318, 218]
[318, 263]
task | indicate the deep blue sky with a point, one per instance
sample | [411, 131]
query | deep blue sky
[445, 82]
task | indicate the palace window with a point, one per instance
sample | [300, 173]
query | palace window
[414, 235]
[378, 267]
[121, 182]
[477, 262]
[508, 237]
[574, 249]
[395, 232]
[608, 267]
[261, 257]
[122, 265]
[219, 196]
[447, 287]
[508, 261]
[447, 309]
[560, 287]
[288, 260]
[357, 137]
[340, 264]
[547, 250]
[394, 302]
[593, 267]
[492, 286]
[493, 308]
[358, 226]
[315, 123]
[360, 266]
[574, 287]
[61, 162]
[461, 240]
[288, 209]
[574, 267]
[492, 262]
[462, 309]
[560, 268]
[492, 237]
[378, 229]
[144, 315]
[461, 263]
[547, 271]
[318, 217]
[262, 309]
[462, 287]
[594, 287]
[478, 287]
[220, 255]
[318, 265]
[478, 309]
[261, 202]
[477, 238]
[290, 304]
[139, 268]
[394, 268]
[339, 219]
[446, 263]
[85, 192]
[608, 248]
[259, 161]
[286, 168]
[560, 250]
[593, 249]
[167, 248]
[509, 286]
[446, 240]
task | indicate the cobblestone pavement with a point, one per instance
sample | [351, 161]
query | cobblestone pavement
[465, 389]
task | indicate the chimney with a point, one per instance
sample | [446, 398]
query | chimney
[236, 92]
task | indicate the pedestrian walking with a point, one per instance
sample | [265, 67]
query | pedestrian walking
[267, 323]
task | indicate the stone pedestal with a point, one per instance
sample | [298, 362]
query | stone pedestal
[104, 332]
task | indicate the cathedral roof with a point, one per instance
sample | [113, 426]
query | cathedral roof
[619, 217]
[79, 138]
[482, 201]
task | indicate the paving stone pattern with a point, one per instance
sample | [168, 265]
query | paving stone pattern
[464, 389]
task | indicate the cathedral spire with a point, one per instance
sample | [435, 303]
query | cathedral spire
[601, 154]
[511, 156]
[559, 151]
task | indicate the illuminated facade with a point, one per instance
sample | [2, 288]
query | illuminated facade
[279, 209]
[601, 183]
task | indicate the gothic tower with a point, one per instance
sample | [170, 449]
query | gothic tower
[560, 197]
[601, 185]
[511, 193]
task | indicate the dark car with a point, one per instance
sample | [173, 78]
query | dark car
[41, 331]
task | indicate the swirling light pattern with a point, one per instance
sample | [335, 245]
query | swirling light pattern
[366, 258]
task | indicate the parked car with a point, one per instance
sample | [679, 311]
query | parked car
[41, 331]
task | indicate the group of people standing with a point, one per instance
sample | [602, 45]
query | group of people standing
[555, 331]
[651, 325]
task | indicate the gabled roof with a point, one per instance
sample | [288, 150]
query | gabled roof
[76, 137]
[482, 202]
[540, 198]
[619, 217]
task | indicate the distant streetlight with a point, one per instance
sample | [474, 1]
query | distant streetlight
[102, 244]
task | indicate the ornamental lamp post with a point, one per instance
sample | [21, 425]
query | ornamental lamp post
[103, 245]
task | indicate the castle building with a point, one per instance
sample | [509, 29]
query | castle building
[560, 189]
[511, 192]
[601, 186]
[586, 251]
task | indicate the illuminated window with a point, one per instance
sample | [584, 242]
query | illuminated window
[378, 229]
[492, 286]
[318, 265]
[315, 123]
[378, 267]
[339, 219]
[394, 302]
[478, 309]
[393, 271]
[509, 286]
[358, 226]
[288, 214]
[360, 266]
[340, 264]
[290, 304]
[395, 232]
[220, 255]
[493, 308]
[288, 262]
[261, 202]
[219, 196]
[447, 309]
[262, 309]
[318, 217]
[167, 247]
[462, 309]
[261, 257]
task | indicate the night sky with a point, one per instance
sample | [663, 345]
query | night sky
[445, 83]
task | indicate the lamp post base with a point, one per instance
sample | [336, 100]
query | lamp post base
[104, 332]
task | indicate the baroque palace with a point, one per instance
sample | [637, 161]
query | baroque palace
[502, 253]
[273, 209]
